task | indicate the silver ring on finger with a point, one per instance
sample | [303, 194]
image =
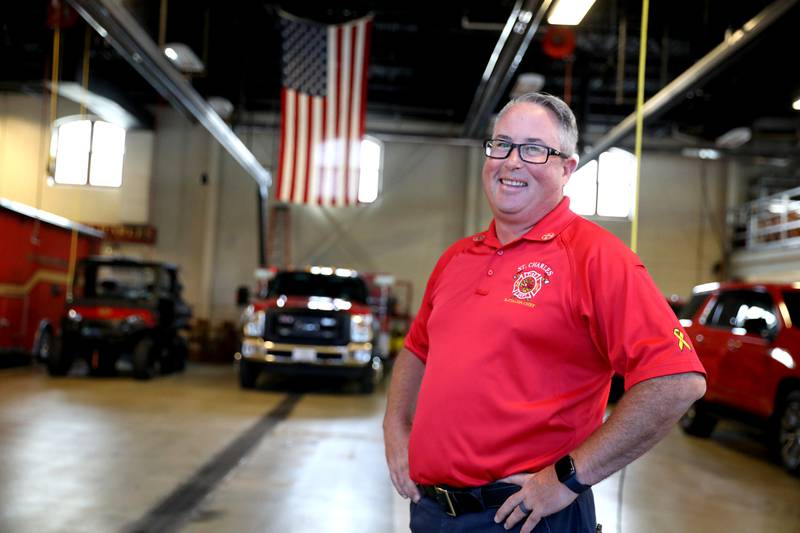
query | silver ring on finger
[524, 509]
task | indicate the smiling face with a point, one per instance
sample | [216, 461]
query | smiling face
[521, 193]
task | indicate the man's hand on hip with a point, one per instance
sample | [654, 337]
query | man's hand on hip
[396, 442]
[542, 494]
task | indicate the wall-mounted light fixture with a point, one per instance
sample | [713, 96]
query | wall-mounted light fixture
[184, 58]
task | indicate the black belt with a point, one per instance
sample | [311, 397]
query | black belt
[457, 501]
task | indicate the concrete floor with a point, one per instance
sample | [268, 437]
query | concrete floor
[193, 452]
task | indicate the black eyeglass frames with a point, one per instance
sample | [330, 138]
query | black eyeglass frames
[537, 154]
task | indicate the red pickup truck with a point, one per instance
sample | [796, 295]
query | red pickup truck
[322, 321]
[747, 337]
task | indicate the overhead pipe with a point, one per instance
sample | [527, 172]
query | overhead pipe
[114, 23]
[693, 76]
[506, 57]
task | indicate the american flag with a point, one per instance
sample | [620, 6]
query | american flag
[323, 103]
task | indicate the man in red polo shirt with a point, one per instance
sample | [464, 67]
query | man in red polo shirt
[495, 411]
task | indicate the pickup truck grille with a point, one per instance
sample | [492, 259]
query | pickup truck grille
[308, 327]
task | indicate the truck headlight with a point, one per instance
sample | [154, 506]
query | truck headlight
[254, 324]
[360, 328]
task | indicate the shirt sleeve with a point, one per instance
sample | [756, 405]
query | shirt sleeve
[630, 320]
[417, 338]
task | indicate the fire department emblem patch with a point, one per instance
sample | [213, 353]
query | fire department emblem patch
[529, 280]
[527, 285]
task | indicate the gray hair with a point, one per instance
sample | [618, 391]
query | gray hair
[567, 126]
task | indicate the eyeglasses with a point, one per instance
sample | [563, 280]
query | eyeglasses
[538, 154]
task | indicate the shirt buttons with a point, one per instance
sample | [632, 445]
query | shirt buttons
[499, 252]
[491, 272]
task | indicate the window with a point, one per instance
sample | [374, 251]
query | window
[604, 187]
[306, 284]
[371, 169]
[739, 310]
[688, 311]
[87, 152]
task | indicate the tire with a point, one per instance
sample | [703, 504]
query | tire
[178, 354]
[248, 374]
[143, 359]
[173, 359]
[785, 435]
[697, 422]
[366, 384]
[59, 361]
[45, 346]
[373, 374]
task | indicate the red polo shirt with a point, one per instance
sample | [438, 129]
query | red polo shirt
[520, 342]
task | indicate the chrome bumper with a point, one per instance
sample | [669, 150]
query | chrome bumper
[354, 354]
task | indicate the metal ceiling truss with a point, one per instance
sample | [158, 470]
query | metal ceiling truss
[114, 23]
[700, 72]
[520, 28]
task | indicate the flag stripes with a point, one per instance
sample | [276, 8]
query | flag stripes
[323, 104]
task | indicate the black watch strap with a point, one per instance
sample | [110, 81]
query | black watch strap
[565, 470]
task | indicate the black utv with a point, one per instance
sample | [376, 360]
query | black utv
[123, 310]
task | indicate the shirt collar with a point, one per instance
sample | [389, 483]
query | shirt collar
[545, 230]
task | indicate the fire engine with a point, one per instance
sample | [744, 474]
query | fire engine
[39, 251]
[320, 321]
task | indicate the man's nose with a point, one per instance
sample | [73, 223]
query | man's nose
[513, 160]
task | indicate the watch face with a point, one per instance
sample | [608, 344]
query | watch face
[565, 468]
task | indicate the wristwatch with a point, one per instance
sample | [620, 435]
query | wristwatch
[565, 470]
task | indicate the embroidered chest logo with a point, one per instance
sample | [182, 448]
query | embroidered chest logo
[528, 281]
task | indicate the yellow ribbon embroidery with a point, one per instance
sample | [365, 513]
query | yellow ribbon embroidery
[682, 342]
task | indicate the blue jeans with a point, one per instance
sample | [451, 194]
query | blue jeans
[428, 517]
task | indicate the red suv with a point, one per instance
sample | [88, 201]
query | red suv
[748, 339]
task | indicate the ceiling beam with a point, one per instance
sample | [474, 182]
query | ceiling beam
[114, 23]
[698, 73]
[506, 57]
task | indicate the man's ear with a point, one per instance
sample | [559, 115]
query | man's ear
[570, 164]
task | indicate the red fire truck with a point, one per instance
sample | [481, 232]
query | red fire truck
[321, 321]
[38, 251]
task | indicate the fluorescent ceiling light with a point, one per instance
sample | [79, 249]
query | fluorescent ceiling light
[184, 58]
[569, 12]
[103, 107]
[527, 82]
[701, 153]
[222, 106]
[734, 138]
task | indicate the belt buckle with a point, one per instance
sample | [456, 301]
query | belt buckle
[451, 511]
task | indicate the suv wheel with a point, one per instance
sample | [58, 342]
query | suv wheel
[697, 422]
[248, 374]
[786, 437]
[143, 360]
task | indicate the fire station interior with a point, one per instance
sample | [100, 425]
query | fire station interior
[173, 198]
